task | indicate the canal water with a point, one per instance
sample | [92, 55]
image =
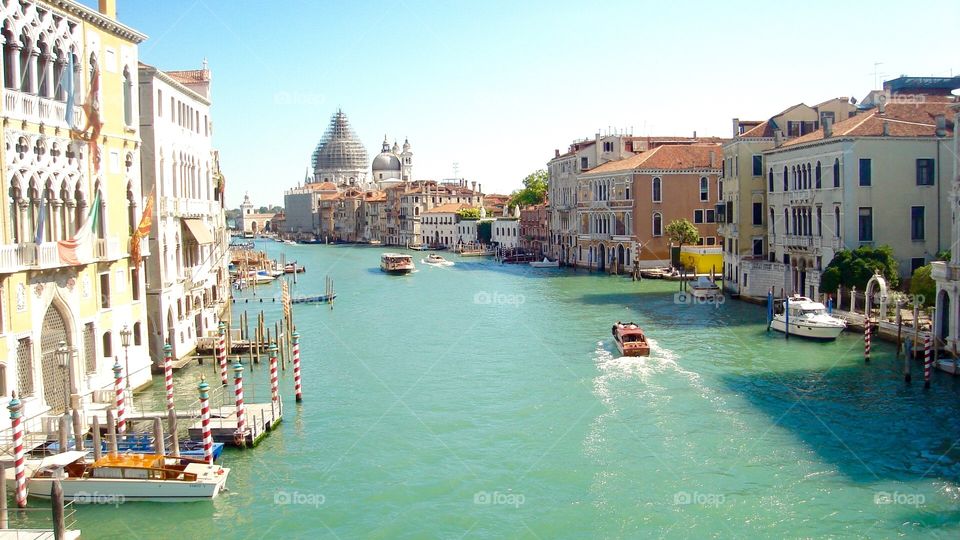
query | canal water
[484, 400]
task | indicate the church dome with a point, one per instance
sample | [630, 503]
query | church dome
[386, 162]
[339, 149]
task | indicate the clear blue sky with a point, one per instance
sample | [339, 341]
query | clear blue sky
[496, 85]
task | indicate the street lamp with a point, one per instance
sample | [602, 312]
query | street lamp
[62, 354]
[125, 341]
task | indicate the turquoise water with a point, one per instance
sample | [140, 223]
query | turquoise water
[488, 401]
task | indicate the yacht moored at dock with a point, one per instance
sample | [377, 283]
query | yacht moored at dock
[807, 318]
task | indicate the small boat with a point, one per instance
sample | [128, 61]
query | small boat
[396, 263]
[289, 242]
[630, 339]
[545, 263]
[704, 288]
[142, 444]
[262, 276]
[125, 478]
[320, 299]
[436, 260]
[290, 268]
[808, 319]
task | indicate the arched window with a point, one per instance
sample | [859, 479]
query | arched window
[107, 345]
[44, 70]
[773, 222]
[836, 221]
[819, 221]
[719, 190]
[818, 176]
[785, 179]
[137, 339]
[704, 189]
[28, 65]
[657, 224]
[836, 172]
[9, 53]
[786, 220]
[770, 177]
[127, 97]
[657, 194]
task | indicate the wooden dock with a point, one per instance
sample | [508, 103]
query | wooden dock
[260, 419]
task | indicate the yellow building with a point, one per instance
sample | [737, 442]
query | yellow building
[91, 301]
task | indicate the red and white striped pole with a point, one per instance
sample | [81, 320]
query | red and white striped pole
[927, 361]
[121, 411]
[168, 373]
[274, 382]
[241, 414]
[297, 388]
[222, 351]
[15, 413]
[866, 340]
[203, 387]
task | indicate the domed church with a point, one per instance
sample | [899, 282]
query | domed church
[392, 164]
[340, 157]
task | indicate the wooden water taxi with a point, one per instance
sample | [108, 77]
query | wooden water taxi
[630, 339]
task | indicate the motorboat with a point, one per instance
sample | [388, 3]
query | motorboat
[142, 444]
[396, 263]
[807, 318]
[630, 339]
[545, 263]
[125, 478]
[705, 288]
[292, 267]
[436, 260]
[262, 276]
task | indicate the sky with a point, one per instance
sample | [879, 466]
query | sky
[495, 86]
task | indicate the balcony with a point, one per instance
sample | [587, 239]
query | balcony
[799, 196]
[32, 108]
[108, 249]
[796, 241]
[188, 208]
[29, 256]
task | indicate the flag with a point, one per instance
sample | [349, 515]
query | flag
[143, 229]
[91, 131]
[41, 221]
[82, 241]
[68, 87]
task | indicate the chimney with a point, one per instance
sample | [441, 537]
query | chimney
[886, 128]
[556, 152]
[827, 128]
[882, 106]
[736, 128]
[479, 188]
[778, 138]
[108, 8]
[694, 134]
[713, 159]
[473, 185]
[941, 125]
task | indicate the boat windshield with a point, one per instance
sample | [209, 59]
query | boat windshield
[814, 311]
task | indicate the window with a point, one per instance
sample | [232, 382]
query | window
[773, 223]
[127, 97]
[758, 165]
[135, 283]
[758, 213]
[770, 180]
[159, 103]
[785, 179]
[866, 224]
[925, 172]
[107, 345]
[105, 290]
[916, 223]
[704, 189]
[137, 339]
[711, 241]
[865, 179]
[698, 216]
[916, 262]
[818, 175]
[657, 196]
[657, 224]
[608, 146]
[90, 347]
[583, 164]
[711, 216]
[758, 247]
[836, 172]
[719, 190]
[25, 367]
[819, 221]
[836, 221]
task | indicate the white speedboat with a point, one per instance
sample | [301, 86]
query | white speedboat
[808, 319]
[545, 263]
[436, 260]
[704, 288]
[122, 478]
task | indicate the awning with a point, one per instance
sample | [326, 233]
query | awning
[199, 231]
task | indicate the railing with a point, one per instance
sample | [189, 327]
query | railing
[797, 241]
[799, 195]
[48, 256]
[944, 271]
[32, 108]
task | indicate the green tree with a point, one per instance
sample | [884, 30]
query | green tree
[943, 255]
[534, 190]
[469, 213]
[855, 268]
[681, 231]
[922, 284]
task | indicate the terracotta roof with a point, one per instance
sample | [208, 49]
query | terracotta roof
[671, 157]
[190, 76]
[902, 119]
[447, 208]
[329, 196]
[764, 129]
[322, 186]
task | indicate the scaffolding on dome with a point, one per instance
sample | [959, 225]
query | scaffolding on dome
[339, 149]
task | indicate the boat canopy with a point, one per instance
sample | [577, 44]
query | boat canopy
[62, 459]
